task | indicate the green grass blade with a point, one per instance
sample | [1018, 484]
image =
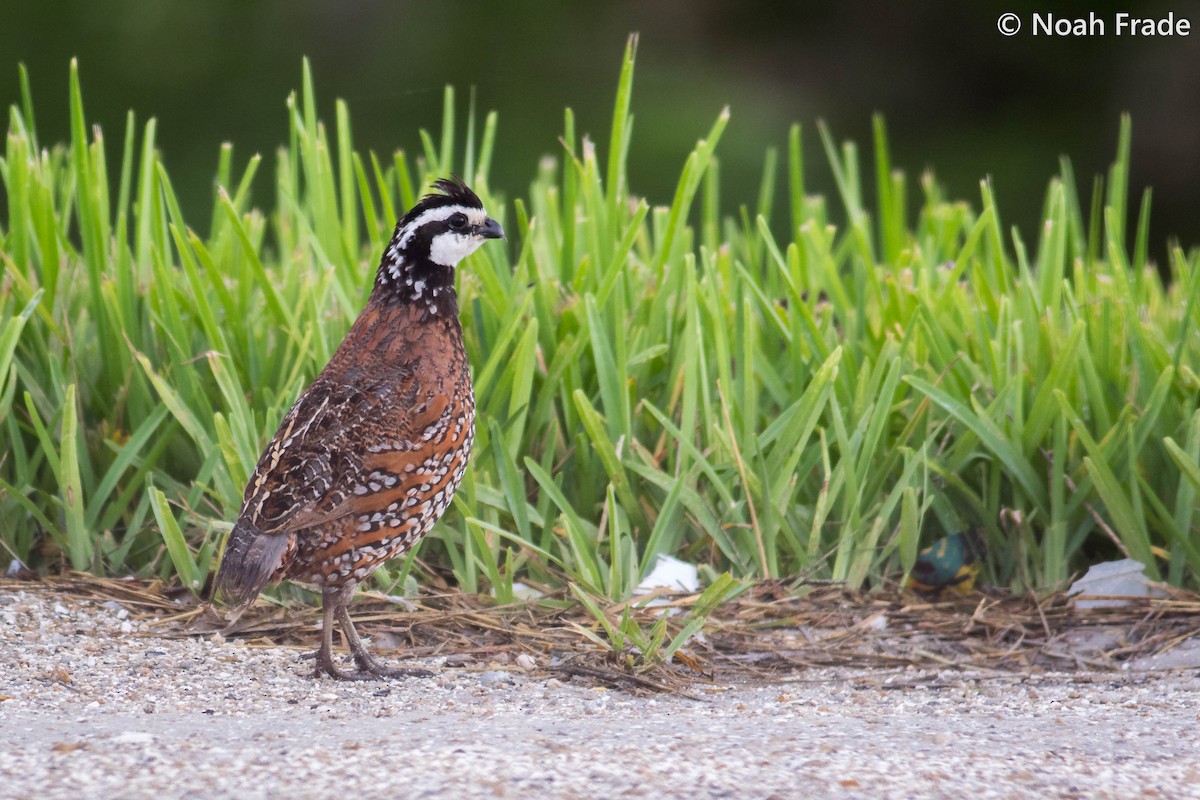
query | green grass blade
[177, 547]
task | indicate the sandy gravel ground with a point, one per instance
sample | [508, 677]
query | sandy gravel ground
[93, 707]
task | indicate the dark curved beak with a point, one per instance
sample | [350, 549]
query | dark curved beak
[491, 230]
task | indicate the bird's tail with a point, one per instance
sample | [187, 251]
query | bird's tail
[249, 561]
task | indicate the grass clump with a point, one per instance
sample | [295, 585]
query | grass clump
[811, 399]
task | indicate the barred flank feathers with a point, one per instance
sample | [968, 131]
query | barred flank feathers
[250, 560]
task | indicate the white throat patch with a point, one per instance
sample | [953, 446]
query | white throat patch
[449, 248]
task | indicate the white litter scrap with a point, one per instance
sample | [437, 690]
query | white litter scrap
[670, 573]
[523, 591]
[1112, 581]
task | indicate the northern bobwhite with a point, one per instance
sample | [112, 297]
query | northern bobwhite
[371, 453]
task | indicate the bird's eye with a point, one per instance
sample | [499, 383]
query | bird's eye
[457, 221]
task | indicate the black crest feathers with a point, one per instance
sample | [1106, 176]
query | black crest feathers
[453, 190]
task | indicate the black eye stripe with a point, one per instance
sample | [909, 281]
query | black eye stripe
[457, 221]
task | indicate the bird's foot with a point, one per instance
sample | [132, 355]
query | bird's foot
[368, 669]
[369, 666]
[342, 675]
[325, 666]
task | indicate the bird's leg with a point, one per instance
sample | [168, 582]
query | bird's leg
[333, 601]
[363, 658]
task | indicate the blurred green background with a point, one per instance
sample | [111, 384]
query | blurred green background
[958, 96]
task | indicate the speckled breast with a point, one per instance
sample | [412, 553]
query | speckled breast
[411, 482]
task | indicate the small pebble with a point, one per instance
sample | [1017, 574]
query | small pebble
[494, 676]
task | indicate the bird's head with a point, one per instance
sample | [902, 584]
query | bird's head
[438, 232]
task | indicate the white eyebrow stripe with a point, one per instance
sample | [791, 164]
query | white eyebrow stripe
[477, 216]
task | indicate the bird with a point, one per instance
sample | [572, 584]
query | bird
[952, 564]
[370, 454]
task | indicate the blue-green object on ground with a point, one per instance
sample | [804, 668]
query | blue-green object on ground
[951, 563]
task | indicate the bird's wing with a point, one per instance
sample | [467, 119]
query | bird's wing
[327, 446]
